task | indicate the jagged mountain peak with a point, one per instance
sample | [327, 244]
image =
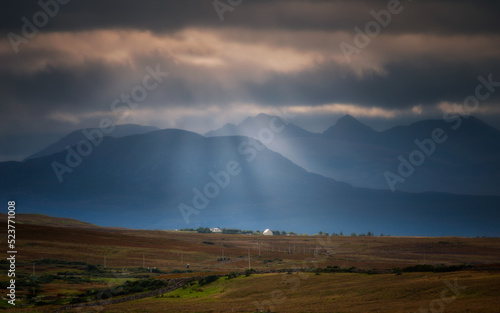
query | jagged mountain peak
[350, 128]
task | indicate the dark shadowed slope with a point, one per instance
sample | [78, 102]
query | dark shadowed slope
[141, 181]
[75, 137]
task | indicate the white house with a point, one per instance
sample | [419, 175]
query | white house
[216, 230]
[268, 232]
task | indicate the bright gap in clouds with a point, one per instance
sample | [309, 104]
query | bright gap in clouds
[213, 117]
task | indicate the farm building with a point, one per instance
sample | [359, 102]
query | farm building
[268, 232]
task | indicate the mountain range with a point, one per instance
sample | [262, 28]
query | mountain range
[173, 178]
[350, 151]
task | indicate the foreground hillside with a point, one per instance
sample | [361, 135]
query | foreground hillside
[476, 292]
[62, 266]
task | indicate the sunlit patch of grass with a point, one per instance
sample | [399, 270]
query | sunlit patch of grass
[195, 290]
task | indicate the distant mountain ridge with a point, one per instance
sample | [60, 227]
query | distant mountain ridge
[251, 127]
[352, 152]
[350, 129]
[144, 181]
[76, 136]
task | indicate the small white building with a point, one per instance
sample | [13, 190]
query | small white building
[268, 232]
[216, 230]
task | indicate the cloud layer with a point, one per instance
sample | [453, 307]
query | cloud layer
[265, 54]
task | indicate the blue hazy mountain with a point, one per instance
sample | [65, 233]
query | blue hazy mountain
[76, 136]
[142, 181]
[253, 126]
[350, 129]
[352, 152]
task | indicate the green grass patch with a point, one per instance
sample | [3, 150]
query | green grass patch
[195, 290]
[113, 281]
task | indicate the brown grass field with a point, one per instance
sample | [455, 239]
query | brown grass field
[477, 292]
[122, 250]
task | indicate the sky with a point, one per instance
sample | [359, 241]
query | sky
[198, 64]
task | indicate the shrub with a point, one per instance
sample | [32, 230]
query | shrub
[419, 268]
[92, 268]
[249, 272]
[231, 275]
[207, 280]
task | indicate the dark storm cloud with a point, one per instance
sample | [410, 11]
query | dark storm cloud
[77, 15]
[93, 85]
[406, 84]
[52, 88]
[444, 16]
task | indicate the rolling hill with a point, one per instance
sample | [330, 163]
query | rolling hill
[46, 220]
